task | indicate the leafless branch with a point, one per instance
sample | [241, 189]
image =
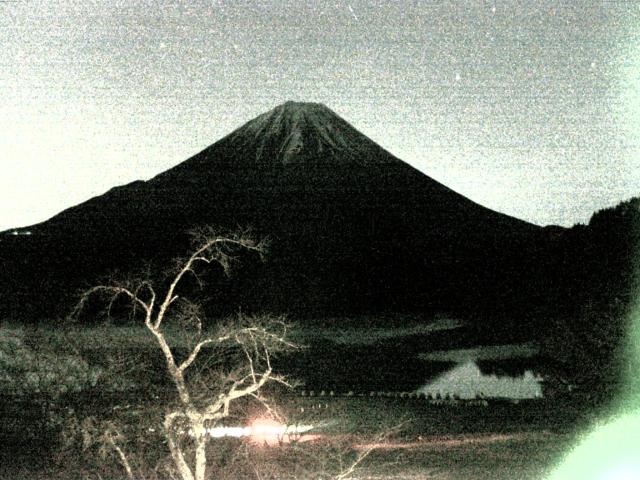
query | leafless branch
[110, 437]
[348, 471]
[257, 338]
[194, 354]
[114, 291]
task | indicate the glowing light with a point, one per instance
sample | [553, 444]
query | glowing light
[219, 432]
[624, 472]
[611, 452]
[269, 432]
[261, 431]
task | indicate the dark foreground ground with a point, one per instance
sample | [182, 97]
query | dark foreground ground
[458, 457]
[501, 440]
[468, 457]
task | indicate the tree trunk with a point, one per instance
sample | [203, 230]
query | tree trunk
[176, 450]
[201, 456]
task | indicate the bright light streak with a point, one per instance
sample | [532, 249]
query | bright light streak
[261, 431]
[219, 432]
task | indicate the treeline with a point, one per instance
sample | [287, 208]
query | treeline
[592, 284]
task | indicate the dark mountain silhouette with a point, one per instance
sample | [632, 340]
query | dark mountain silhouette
[352, 228]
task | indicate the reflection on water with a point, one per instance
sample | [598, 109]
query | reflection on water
[466, 380]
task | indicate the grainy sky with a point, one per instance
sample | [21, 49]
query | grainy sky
[530, 108]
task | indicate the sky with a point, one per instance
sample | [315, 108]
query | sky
[529, 108]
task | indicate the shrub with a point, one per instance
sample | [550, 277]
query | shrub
[25, 372]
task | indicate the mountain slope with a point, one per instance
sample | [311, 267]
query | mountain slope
[352, 228]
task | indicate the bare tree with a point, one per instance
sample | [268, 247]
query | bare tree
[199, 406]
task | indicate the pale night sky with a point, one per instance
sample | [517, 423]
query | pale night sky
[529, 108]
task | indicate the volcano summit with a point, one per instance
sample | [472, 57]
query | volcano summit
[352, 228]
[304, 132]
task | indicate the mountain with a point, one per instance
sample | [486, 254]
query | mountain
[352, 229]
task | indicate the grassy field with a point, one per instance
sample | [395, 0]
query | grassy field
[370, 330]
[500, 441]
[472, 457]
